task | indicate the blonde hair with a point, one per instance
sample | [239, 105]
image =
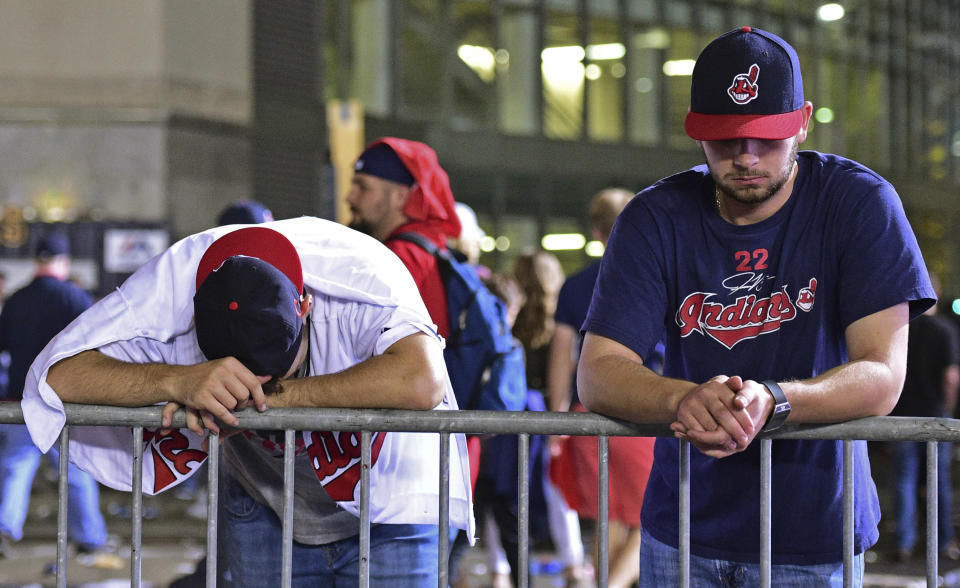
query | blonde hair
[605, 206]
[540, 276]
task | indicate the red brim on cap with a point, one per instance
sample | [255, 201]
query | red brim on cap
[259, 242]
[720, 127]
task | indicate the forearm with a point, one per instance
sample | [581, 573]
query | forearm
[91, 377]
[619, 385]
[853, 390]
[560, 369]
[409, 375]
[951, 380]
[869, 384]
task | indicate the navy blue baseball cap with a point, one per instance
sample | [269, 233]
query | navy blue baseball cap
[746, 84]
[245, 212]
[52, 244]
[382, 161]
[247, 303]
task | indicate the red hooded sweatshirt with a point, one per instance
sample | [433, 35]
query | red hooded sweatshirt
[430, 208]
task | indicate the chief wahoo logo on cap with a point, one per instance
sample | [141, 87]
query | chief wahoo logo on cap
[744, 87]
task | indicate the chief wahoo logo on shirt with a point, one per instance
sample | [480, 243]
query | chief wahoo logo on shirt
[748, 317]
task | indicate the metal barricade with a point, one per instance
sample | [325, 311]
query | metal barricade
[523, 424]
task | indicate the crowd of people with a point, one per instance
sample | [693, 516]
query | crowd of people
[767, 285]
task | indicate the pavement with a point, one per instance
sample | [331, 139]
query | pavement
[174, 540]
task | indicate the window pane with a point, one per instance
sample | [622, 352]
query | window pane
[518, 62]
[563, 70]
[475, 67]
[606, 74]
[370, 45]
[421, 59]
[647, 52]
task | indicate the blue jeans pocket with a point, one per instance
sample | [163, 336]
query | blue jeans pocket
[236, 501]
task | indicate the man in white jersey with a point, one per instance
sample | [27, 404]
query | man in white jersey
[294, 313]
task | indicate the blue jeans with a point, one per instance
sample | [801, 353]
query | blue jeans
[909, 464]
[660, 568]
[404, 556]
[19, 460]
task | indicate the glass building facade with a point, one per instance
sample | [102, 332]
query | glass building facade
[535, 104]
[160, 112]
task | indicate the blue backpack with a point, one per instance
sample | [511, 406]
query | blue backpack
[483, 359]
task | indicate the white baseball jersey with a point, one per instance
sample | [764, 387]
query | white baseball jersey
[364, 301]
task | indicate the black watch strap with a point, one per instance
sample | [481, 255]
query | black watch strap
[781, 407]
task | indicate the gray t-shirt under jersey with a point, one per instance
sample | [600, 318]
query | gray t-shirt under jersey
[319, 520]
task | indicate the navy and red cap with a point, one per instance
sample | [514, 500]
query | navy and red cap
[382, 161]
[746, 84]
[247, 303]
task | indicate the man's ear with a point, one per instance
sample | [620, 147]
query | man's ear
[399, 194]
[305, 305]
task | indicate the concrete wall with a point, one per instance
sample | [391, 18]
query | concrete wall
[90, 91]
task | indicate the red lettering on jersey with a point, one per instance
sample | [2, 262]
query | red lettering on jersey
[336, 460]
[172, 457]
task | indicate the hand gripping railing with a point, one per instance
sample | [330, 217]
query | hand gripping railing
[523, 424]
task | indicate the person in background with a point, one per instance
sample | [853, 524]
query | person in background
[468, 242]
[783, 282]
[244, 212]
[575, 458]
[399, 187]
[31, 317]
[929, 390]
[540, 277]
[495, 491]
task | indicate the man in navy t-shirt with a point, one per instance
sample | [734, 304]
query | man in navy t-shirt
[784, 282]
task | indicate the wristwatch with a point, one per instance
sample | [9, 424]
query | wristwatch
[781, 407]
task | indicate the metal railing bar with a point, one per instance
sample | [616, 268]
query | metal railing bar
[603, 510]
[766, 512]
[63, 466]
[136, 510]
[928, 429]
[287, 530]
[684, 543]
[213, 489]
[365, 459]
[443, 524]
[933, 496]
[848, 468]
[497, 422]
[523, 510]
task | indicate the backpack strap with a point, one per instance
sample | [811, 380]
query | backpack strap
[419, 240]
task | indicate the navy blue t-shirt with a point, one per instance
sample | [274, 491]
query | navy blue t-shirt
[769, 300]
[31, 317]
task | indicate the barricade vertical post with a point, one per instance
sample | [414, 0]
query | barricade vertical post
[443, 524]
[365, 457]
[62, 468]
[684, 543]
[523, 470]
[933, 538]
[287, 560]
[213, 489]
[603, 510]
[848, 468]
[136, 515]
[766, 559]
